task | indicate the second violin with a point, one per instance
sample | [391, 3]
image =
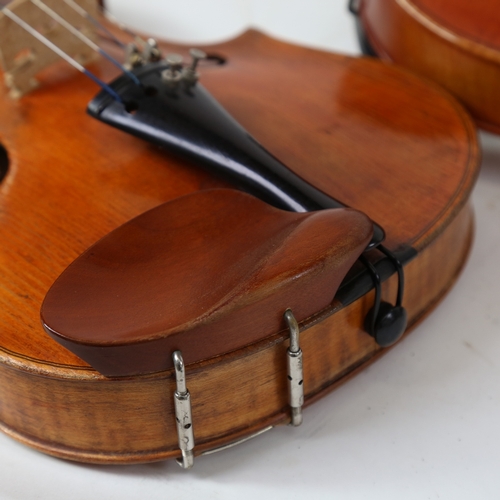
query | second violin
[453, 42]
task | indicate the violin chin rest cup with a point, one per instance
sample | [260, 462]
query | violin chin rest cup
[390, 324]
[207, 274]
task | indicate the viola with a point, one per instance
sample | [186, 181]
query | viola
[337, 126]
[454, 43]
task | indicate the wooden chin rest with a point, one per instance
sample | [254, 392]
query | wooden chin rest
[206, 274]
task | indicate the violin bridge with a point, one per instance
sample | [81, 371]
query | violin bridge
[22, 56]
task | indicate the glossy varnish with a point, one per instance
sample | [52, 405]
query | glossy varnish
[206, 274]
[372, 136]
[453, 42]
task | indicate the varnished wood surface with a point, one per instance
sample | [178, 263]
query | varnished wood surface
[454, 43]
[337, 136]
[132, 420]
[169, 280]
[476, 21]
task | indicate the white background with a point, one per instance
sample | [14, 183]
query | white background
[420, 423]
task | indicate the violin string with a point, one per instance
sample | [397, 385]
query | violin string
[59, 52]
[54, 15]
[82, 12]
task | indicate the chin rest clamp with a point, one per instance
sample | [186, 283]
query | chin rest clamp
[295, 374]
[183, 417]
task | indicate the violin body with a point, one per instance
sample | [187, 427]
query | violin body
[454, 43]
[376, 138]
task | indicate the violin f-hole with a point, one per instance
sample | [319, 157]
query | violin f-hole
[4, 162]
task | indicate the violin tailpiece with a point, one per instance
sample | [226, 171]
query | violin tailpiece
[22, 56]
[187, 120]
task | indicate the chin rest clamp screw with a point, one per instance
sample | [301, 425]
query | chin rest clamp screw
[183, 417]
[295, 373]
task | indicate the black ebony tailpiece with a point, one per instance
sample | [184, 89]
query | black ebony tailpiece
[186, 119]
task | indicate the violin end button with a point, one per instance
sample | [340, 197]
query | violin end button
[390, 325]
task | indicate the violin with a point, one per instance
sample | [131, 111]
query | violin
[336, 124]
[454, 43]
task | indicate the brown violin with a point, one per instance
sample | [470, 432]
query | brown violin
[454, 43]
[174, 308]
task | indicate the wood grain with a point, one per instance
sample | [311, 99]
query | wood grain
[173, 279]
[86, 417]
[375, 137]
[454, 43]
